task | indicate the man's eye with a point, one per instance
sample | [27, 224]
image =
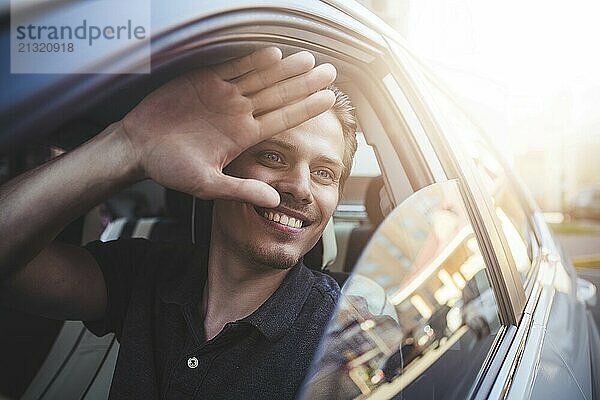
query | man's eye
[324, 174]
[271, 157]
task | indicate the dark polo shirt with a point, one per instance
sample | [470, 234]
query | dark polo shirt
[153, 294]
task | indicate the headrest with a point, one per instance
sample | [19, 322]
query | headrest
[324, 252]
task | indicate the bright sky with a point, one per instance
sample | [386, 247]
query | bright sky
[526, 43]
[530, 68]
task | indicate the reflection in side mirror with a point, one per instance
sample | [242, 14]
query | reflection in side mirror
[418, 304]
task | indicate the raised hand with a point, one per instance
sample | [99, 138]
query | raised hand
[184, 133]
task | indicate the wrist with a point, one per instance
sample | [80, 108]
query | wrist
[125, 156]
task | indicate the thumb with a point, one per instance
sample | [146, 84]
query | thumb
[245, 190]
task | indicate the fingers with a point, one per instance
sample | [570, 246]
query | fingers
[293, 89]
[260, 59]
[293, 65]
[295, 114]
[245, 190]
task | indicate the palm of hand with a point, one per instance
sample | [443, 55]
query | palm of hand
[185, 133]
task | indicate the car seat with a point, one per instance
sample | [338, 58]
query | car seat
[361, 235]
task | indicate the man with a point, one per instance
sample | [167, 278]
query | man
[241, 318]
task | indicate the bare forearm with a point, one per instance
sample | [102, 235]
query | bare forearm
[37, 205]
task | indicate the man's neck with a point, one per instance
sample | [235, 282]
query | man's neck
[235, 287]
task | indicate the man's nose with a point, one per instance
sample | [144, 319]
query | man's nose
[296, 183]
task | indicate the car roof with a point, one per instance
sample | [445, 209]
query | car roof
[27, 93]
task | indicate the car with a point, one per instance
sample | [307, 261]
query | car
[446, 216]
[586, 204]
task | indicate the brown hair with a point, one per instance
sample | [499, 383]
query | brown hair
[345, 113]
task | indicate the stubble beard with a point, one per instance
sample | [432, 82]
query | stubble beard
[269, 256]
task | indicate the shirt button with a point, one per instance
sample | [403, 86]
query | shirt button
[192, 362]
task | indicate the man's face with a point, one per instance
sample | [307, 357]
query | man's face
[304, 165]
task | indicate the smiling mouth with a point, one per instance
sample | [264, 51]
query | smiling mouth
[281, 218]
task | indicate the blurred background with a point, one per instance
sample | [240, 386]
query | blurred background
[529, 74]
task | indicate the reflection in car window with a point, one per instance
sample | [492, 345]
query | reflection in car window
[509, 210]
[423, 332]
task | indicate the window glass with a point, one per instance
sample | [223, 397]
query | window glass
[507, 205]
[417, 317]
[510, 213]
[512, 217]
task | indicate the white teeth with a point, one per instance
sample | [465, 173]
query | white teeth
[283, 219]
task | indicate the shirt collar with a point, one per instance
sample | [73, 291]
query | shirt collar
[183, 285]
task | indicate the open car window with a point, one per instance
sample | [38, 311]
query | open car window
[418, 315]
